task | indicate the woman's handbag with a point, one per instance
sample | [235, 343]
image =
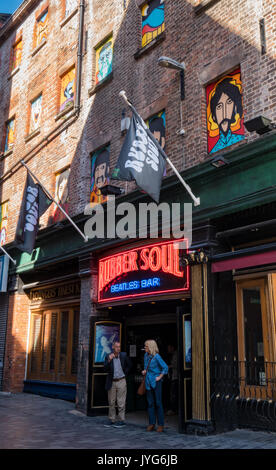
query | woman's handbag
[142, 387]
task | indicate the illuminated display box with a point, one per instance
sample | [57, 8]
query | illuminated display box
[143, 271]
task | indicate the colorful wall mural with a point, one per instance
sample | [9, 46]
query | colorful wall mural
[157, 125]
[99, 174]
[67, 89]
[224, 112]
[9, 135]
[16, 54]
[3, 222]
[61, 194]
[104, 57]
[41, 28]
[36, 111]
[153, 16]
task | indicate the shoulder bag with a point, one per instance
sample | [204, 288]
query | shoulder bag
[142, 387]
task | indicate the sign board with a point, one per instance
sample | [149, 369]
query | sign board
[4, 269]
[71, 289]
[143, 271]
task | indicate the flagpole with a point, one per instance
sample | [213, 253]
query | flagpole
[57, 204]
[13, 260]
[186, 186]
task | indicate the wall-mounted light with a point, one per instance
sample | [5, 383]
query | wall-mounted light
[111, 190]
[125, 122]
[260, 124]
[219, 161]
[173, 64]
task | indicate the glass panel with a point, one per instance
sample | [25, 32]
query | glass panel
[253, 337]
[35, 344]
[75, 342]
[63, 342]
[46, 334]
[53, 338]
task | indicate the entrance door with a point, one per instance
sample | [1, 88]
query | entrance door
[103, 334]
[184, 320]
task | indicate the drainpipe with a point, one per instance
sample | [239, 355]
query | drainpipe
[74, 114]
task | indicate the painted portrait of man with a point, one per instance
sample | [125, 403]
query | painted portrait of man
[225, 112]
[104, 56]
[61, 194]
[100, 175]
[156, 125]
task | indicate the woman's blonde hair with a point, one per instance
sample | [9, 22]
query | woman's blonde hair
[153, 348]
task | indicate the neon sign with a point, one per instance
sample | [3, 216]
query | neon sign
[147, 270]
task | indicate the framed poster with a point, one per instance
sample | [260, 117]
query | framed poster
[105, 333]
[187, 341]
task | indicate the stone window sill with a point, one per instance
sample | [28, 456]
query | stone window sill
[100, 85]
[13, 72]
[68, 18]
[204, 5]
[38, 47]
[150, 46]
[33, 134]
[6, 154]
[64, 112]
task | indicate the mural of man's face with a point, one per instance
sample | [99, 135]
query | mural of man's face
[63, 190]
[105, 60]
[224, 113]
[100, 172]
[160, 139]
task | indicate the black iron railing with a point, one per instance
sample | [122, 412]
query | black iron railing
[243, 393]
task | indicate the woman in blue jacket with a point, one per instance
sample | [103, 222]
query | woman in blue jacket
[154, 369]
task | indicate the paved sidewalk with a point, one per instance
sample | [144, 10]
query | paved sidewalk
[34, 422]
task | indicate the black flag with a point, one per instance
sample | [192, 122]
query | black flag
[140, 159]
[34, 204]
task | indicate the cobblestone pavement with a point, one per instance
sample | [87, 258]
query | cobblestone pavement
[35, 422]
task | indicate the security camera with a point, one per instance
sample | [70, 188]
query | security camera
[171, 63]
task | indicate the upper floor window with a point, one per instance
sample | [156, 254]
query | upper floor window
[41, 28]
[104, 58]
[16, 54]
[36, 111]
[9, 135]
[224, 112]
[61, 194]
[153, 24]
[3, 222]
[67, 90]
[99, 174]
[157, 125]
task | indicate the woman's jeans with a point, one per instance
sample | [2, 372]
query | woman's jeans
[157, 393]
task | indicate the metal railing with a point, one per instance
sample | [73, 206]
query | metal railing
[243, 393]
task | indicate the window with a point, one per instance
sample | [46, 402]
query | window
[61, 194]
[36, 111]
[9, 135]
[104, 59]
[99, 174]
[41, 29]
[16, 54]
[67, 91]
[157, 125]
[153, 24]
[3, 222]
[54, 345]
[224, 112]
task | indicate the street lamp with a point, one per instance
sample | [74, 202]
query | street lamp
[169, 63]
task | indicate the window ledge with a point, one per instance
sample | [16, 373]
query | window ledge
[13, 72]
[6, 154]
[38, 47]
[33, 134]
[204, 5]
[65, 111]
[68, 18]
[150, 45]
[102, 83]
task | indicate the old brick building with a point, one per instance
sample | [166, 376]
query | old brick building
[63, 64]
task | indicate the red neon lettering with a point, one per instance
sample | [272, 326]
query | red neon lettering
[177, 272]
[125, 263]
[144, 258]
[133, 255]
[157, 252]
[167, 258]
[101, 275]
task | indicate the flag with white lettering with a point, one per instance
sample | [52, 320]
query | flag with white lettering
[141, 159]
[34, 204]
